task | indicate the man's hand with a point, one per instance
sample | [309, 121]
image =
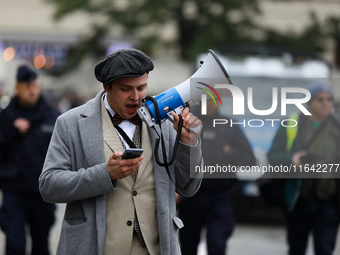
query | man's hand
[23, 125]
[120, 168]
[296, 159]
[189, 120]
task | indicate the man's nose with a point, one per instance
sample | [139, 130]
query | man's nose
[33, 89]
[134, 94]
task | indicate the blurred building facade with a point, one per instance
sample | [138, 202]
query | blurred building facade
[29, 34]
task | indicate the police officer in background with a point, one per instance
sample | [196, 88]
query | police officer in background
[26, 126]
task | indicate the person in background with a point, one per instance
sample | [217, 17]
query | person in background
[26, 126]
[211, 206]
[2, 85]
[0, 98]
[119, 206]
[311, 204]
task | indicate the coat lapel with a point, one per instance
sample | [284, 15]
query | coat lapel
[91, 132]
[111, 138]
[162, 186]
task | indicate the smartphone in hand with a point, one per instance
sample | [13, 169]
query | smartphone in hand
[132, 153]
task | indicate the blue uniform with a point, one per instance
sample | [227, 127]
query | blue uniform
[21, 162]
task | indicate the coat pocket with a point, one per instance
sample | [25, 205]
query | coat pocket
[74, 222]
[74, 237]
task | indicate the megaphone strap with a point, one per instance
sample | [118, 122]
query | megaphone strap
[126, 138]
[160, 138]
[124, 135]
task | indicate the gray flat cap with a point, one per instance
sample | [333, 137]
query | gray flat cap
[121, 64]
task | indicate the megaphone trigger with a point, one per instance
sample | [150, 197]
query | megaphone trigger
[195, 130]
[169, 112]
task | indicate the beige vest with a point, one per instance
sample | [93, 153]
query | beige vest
[121, 203]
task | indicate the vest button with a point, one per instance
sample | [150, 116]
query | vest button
[129, 223]
[134, 193]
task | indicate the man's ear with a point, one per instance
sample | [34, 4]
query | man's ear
[106, 87]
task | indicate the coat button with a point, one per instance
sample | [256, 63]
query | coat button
[129, 223]
[134, 193]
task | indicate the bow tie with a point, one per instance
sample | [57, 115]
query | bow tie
[117, 119]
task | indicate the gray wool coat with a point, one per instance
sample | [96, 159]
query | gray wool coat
[75, 173]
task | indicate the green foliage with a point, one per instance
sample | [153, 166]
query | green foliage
[309, 42]
[201, 24]
[64, 7]
[333, 27]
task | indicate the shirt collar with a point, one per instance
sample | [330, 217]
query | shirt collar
[125, 123]
[107, 106]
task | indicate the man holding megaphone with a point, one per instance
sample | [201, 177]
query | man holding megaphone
[119, 205]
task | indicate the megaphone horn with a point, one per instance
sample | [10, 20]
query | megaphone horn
[181, 96]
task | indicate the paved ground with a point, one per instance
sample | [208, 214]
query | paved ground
[246, 239]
